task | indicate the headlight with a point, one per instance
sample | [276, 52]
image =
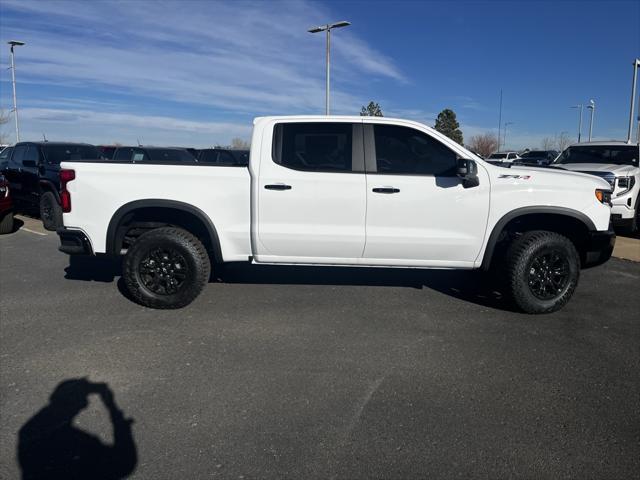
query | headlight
[4, 191]
[603, 196]
[625, 184]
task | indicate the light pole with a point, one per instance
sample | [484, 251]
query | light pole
[506, 124]
[592, 107]
[636, 66]
[327, 28]
[579, 107]
[15, 43]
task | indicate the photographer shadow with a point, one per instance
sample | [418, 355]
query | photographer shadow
[51, 447]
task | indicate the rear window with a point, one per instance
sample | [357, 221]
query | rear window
[321, 147]
[64, 153]
[615, 154]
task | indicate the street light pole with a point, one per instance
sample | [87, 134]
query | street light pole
[636, 66]
[592, 107]
[579, 107]
[506, 124]
[15, 43]
[327, 28]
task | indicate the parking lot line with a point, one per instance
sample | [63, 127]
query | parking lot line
[33, 231]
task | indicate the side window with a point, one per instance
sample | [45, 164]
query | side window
[320, 147]
[18, 156]
[226, 159]
[123, 154]
[208, 156]
[138, 155]
[31, 155]
[403, 150]
[4, 157]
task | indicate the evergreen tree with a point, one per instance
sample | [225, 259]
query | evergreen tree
[371, 110]
[447, 124]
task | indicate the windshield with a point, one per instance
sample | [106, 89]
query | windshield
[615, 154]
[534, 153]
[498, 155]
[64, 153]
[169, 155]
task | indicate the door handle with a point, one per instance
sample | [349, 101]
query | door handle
[386, 190]
[278, 186]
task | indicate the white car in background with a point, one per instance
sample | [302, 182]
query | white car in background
[617, 163]
[501, 158]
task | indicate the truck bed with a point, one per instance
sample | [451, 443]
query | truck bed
[102, 187]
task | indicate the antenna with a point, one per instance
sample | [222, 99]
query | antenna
[138, 140]
[44, 137]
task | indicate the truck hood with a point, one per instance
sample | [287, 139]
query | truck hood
[618, 170]
[556, 175]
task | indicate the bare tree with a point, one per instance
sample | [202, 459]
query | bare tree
[484, 144]
[240, 144]
[4, 119]
[563, 141]
[548, 143]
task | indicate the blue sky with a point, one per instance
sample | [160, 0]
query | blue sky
[197, 72]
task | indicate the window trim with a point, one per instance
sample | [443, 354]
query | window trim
[357, 147]
[370, 151]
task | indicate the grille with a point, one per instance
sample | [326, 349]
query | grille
[610, 177]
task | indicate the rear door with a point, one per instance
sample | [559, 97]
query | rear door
[30, 177]
[311, 193]
[418, 211]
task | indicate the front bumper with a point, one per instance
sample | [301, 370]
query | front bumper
[74, 242]
[599, 247]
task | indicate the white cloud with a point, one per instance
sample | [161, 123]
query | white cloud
[249, 58]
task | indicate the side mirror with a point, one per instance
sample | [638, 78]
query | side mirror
[467, 170]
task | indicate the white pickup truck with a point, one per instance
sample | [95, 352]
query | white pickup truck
[356, 191]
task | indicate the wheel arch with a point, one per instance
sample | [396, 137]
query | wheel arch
[559, 219]
[160, 212]
[49, 186]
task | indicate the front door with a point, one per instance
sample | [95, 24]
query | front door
[311, 192]
[418, 212]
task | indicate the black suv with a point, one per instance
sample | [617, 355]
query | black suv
[33, 172]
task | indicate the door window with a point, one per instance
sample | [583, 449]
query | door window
[18, 155]
[31, 155]
[320, 147]
[406, 151]
[123, 153]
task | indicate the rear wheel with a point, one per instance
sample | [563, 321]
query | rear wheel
[166, 268]
[50, 211]
[543, 269]
[6, 224]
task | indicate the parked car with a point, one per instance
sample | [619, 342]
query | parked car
[330, 190]
[617, 163]
[153, 155]
[502, 158]
[224, 157]
[107, 151]
[4, 158]
[6, 207]
[536, 158]
[33, 174]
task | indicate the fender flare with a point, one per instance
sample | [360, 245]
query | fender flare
[127, 208]
[520, 212]
[49, 186]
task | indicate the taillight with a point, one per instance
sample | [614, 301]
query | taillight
[65, 197]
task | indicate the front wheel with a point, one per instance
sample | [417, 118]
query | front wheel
[166, 268]
[543, 269]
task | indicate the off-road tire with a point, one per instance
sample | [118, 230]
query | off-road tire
[190, 251]
[525, 252]
[6, 223]
[50, 211]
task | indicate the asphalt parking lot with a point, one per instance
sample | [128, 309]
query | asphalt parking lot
[277, 372]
